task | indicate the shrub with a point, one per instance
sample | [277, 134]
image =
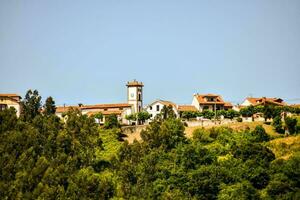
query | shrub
[239, 119]
[202, 135]
[260, 134]
[291, 124]
[277, 124]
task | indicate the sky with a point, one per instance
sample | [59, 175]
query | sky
[86, 51]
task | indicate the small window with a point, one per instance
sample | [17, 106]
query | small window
[139, 97]
[150, 107]
[3, 106]
[157, 107]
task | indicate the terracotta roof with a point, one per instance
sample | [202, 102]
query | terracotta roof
[106, 112]
[263, 100]
[61, 109]
[102, 106]
[202, 99]
[183, 108]
[228, 104]
[9, 95]
[134, 83]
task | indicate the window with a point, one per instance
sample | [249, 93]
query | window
[3, 106]
[150, 107]
[157, 107]
[139, 97]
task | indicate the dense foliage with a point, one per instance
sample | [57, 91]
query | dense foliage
[44, 157]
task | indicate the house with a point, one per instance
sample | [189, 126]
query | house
[210, 102]
[263, 101]
[10, 100]
[155, 107]
[134, 105]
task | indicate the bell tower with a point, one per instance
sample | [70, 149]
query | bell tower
[135, 95]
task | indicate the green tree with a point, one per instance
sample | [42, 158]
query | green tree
[208, 114]
[142, 116]
[98, 116]
[291, 124]
[167, 112]
[49, 107]
[189, 114]
[243, 190]
[260, 135]
[8, 119]
[268, 112]
[111, 121]
[31, 105]
[277, 124]
[248, 111]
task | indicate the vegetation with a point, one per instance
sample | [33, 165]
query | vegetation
[43, 157]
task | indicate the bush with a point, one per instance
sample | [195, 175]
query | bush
[291, 124]
[111, 122]
[239, 119]
[260, 134]
[202, 135]
[277, 124]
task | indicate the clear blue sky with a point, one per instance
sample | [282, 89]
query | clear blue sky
[85, 51]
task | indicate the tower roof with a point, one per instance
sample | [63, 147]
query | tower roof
[134, 83]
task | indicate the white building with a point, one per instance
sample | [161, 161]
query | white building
[10, 100]
[155, 107]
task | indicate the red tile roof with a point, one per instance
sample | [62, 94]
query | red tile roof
[262, 100]
[202, 99]
[61, 109]
[228, 105]
[106, 106]
[183, 108]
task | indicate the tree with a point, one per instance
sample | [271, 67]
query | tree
[189, 114]
[243, 191]
[31, 105]
[291, 124]
[277, 124]
[268, 112]
[49, 107]
[260, 135]
[167, 112]
[131, 117]
[230, 114]
[167, 133]
[8, 119]
[111, 121]
[208, 114]
[248, 111]
[98, 116]
[143, 116]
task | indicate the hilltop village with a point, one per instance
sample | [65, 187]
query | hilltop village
[213, 104]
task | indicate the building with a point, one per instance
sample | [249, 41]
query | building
[210, 102]
[10, 100]
[134, 105]
[155, 107]
[262, 101]
[135, 95]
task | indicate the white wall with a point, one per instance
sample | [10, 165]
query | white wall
[154, 111]
[246, 103]
[196, 103]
